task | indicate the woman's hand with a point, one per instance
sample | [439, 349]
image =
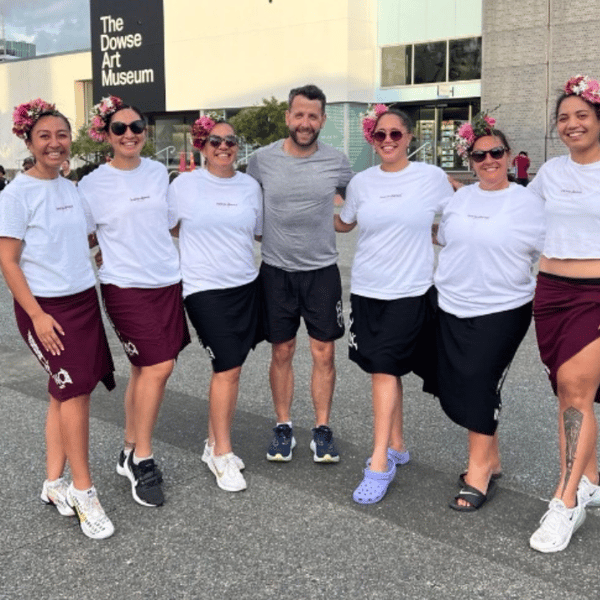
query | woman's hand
[47, 330]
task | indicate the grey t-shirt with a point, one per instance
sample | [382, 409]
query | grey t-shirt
[298, 193]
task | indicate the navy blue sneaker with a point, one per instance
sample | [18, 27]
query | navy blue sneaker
[282, 444]
[322, 445]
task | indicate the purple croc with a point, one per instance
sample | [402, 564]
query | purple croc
[374, 485]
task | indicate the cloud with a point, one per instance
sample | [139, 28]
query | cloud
[52, 25]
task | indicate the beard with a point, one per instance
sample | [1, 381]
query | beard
[312, 140]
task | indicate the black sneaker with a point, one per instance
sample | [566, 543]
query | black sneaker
[282, 444]
[146, 480]
[322, 445]
[121, 467]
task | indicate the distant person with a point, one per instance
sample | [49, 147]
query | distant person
[44, 255]
[65, 171]
[3, 180]
[299, 274]
[521, 164]
[28, 163]
[126, 205]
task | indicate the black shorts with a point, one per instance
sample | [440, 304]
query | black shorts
[228, 323]
[388, 336]
[316, 296]
[473, 356]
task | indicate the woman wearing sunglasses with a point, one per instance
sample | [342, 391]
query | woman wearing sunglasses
[567, 306]
[126, 204]
[44, 255]
[219, 212]
[394, 205]
[491, 233]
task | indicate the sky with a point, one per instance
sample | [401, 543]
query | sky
[52, 25]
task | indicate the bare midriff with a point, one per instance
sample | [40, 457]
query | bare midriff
[571, 267]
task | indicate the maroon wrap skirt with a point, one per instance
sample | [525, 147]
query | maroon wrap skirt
[150, 322]
[566, 312]
[86, 359]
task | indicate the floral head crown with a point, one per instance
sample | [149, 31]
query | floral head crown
[201, 130]
[369, 120]
[584, 86]
[481, 124]
[100, 115]
[26, 115]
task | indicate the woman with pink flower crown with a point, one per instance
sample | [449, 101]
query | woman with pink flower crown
[491, 234]
[219, 214]
[126, 205]
[567, 306]
[44, 256]
[394, 205]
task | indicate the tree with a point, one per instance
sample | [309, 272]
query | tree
[262, 124]
[91, 152]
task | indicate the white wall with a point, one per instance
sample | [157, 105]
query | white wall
[409, 21]
[256, 49]
[52, 78]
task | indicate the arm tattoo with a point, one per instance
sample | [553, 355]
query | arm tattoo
[572, 421]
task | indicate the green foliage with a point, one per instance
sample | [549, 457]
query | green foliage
[91, 152]
[262, 124]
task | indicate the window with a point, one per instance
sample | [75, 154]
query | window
[396, 65]
[465, 59]
[431, 62]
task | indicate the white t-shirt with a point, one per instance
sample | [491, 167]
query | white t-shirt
[48, 217]
[572, 195]
[131, 217]
[219, 218]
[491, 241]
[394, 254]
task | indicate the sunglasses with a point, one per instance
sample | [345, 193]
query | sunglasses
[216, 140]
[119, 128]
[495, 153]
[395, 136]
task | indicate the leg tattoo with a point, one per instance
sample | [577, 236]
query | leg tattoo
[572, 420]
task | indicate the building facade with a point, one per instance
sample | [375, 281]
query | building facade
[438, 60]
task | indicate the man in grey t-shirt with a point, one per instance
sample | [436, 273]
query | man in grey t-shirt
[300, 176]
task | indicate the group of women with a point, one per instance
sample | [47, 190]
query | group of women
[458, 327]
[46, 228]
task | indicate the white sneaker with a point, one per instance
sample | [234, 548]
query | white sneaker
[557, 526]
[588, 494]
[92, 518]
[208, 450]
[55, 493]
[225, 469]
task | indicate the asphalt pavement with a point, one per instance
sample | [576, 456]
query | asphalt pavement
[295, 534]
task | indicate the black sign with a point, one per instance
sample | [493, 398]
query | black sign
[128, 56]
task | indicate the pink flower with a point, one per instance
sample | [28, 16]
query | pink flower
[370, 119]
[200, 130]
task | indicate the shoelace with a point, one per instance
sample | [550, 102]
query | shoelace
[149, 473]
[554, 518]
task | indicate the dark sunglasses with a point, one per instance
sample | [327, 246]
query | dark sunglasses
[119, 128]
[216, 140]
[395, 136]
[495, 153]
